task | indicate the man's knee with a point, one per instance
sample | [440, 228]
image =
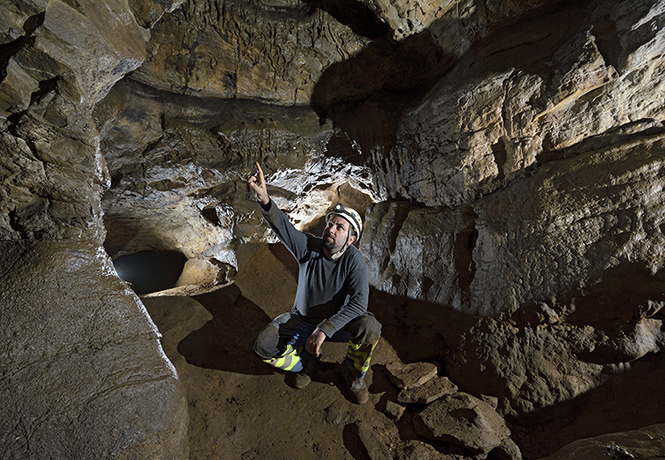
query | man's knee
[267, 342]
[364, 329]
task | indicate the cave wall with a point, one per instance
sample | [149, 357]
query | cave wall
[539, 127]
[538, 157]
[83, 371]
[507, 157]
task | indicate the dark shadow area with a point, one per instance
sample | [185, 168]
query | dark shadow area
[226, 342]
[366, 95]
[626, 294]
[289, 262]
[354, 14]
[406, 427]
[419, 330]
[625, 402]
[621, 295]
[150, 271]
[381, 383]
[465, 243]
[119, 233]
[633, 395]
[354, 443]
[10, 49]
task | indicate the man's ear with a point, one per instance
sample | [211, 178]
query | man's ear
[352, 239]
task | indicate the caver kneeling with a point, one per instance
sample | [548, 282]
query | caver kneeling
[331, 299]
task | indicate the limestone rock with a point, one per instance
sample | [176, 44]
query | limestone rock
[644, 339]
[511, 165]
[69, 42]
[483, 269]
[373, 443]
[84, 372]
[53, 182]
[531, 368]
[417, 450]
[394, 410]
[412, 17]
[647, 442]
[491, 400]
[147, 13]
[258, 51]
[186, 190]
[407, 376]
[464, 420]
[428, 392]
[479, 149]
[420, 264]
[497, 144]
[13, 22]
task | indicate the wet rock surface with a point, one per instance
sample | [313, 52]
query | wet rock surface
[507, 158]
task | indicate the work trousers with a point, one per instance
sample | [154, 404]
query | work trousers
[282, 343]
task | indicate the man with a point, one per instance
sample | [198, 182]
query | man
[331, 299]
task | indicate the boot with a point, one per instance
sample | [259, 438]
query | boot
[356, 386]
[358, 391]
[304, 377]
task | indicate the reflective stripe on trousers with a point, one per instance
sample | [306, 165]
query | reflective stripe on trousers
[290, 360]
[359, 357]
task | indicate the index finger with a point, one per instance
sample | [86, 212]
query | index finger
[261, 177]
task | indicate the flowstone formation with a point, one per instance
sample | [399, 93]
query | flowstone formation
[507, 157]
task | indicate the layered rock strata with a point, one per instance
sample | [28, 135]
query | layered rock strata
[533, 177]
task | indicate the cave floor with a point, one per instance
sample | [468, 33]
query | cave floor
[239, 407]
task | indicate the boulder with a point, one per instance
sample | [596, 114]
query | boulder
[418, 450]
[394, 410]
[412, 375]
[464, 420]
[373, 442]
[647, 442]
[84, 374]
[428, 392]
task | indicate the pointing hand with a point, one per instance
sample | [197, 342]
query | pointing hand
[257, 182]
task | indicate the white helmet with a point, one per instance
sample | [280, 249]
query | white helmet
[350, 215]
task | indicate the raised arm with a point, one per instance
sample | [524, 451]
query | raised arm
[294, 240]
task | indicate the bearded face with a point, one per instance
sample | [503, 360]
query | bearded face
[336, 234]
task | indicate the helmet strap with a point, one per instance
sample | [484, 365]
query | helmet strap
[341, 251]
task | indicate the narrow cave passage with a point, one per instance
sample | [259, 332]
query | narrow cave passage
[150, 271]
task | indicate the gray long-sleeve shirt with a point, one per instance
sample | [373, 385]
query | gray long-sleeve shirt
[331, 292]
